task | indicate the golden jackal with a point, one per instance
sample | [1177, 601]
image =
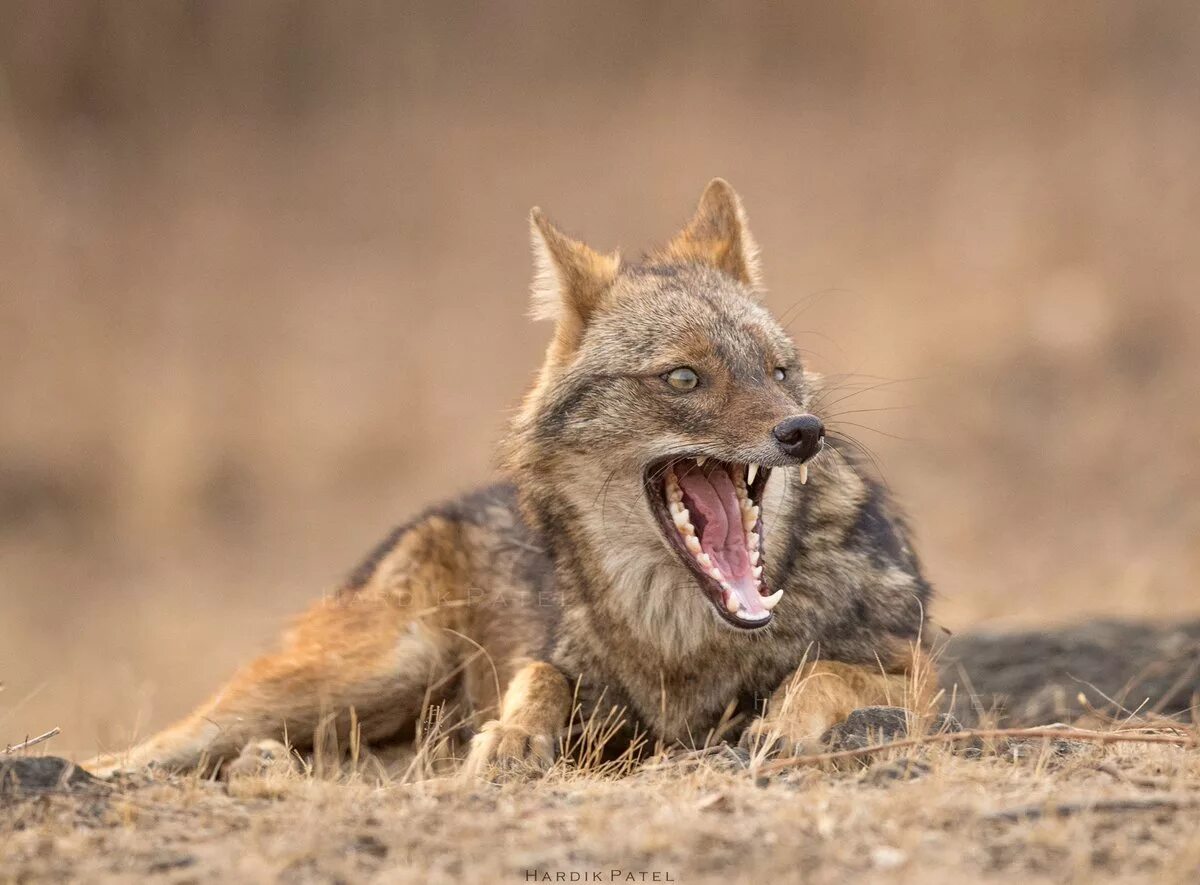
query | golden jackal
[678, 546]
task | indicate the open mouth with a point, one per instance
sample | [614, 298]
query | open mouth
[710, 513]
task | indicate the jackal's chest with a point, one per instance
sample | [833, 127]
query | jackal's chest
[690, 708]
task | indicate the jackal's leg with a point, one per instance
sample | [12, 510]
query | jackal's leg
[535, 708]
[366, 653]
[822, 693]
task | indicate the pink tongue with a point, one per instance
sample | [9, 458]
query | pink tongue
[713, 497]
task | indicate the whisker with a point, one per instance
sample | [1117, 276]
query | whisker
[864, 450]
[872, 429]
[830, 417]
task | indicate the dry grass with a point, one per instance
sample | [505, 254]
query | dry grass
[1116, 803]
[259, 305]
[925, 815]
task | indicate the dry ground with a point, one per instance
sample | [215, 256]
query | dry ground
[1035, 814]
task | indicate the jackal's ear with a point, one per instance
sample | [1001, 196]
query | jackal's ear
[719, 236]
[570, 281]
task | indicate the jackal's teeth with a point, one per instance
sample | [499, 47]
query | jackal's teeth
[749, 517]
[751, 473]
[705, 560]
[769, 602]
[683, 522]
[700, 460]
[803, 474]
[752, 540]
[731, 603]
[754, 556]
[757, 572]
[693, 544]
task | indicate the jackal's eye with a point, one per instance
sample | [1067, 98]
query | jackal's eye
[780, 373]
[683, 378]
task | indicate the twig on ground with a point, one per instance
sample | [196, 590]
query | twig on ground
[954, 737]
[29, 742]
[1066, 809]
[1110, 768]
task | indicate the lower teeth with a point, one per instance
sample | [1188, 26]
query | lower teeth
[750, 515]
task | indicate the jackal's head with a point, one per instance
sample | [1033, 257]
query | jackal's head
[669, 399]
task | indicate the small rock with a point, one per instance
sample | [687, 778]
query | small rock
[907, 769]
[167, 861]
[370, 845]
[1033, 748]
[713, 802]
[868, 726]
[887, 858]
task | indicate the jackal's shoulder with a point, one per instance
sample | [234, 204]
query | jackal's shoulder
[478, 531]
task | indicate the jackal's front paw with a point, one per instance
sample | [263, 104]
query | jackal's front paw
[509, 749]
[261, 758]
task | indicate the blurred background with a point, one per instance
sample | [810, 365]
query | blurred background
[265, 268]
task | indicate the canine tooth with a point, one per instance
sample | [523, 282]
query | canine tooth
[751, 472]
[700, 461]
[693, 543]
[769, 602]
[803, 474]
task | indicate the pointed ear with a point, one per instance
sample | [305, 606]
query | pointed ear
[570, 282]
[719, 236]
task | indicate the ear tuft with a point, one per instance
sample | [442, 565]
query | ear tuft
[545, 300]
[718, 235]
[570, 280]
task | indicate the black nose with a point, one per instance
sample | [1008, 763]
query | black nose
[801, 436]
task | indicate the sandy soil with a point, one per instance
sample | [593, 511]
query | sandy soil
[1120, 813]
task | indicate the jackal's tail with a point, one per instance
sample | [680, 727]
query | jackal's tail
[360, 654]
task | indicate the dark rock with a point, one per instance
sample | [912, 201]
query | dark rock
[735, 757]
[370, 845]
[1032, 677]
[1032, 748]
[878, 725]
[867, 726]
[43, 774]
[167, 861]
[906, 769]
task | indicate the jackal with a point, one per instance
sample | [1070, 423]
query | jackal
[678, 548]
